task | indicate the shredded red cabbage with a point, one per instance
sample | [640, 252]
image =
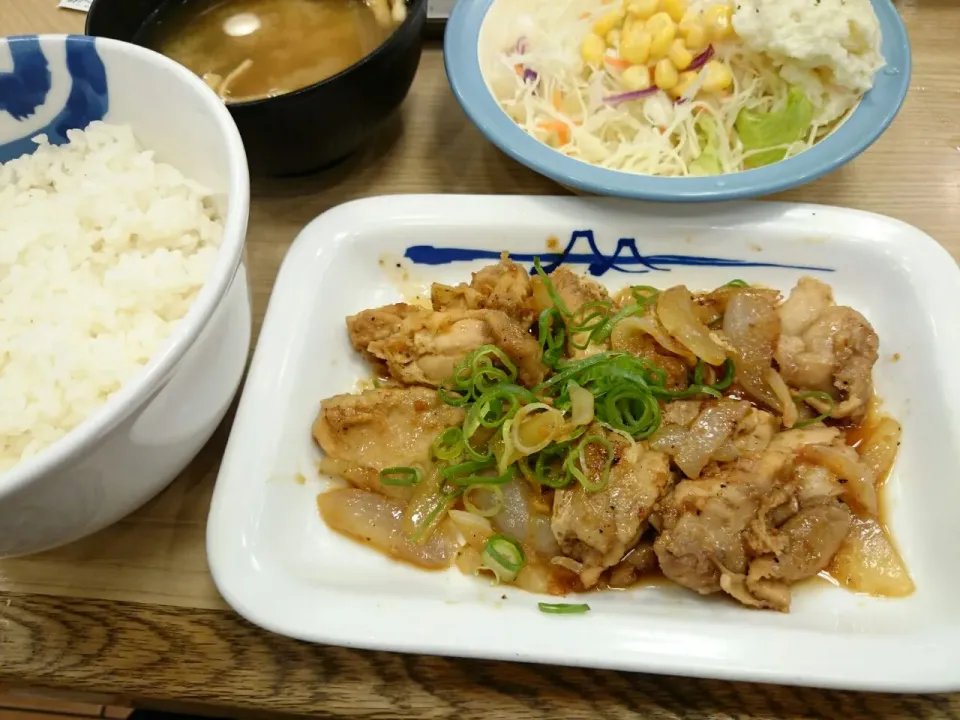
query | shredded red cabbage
[700, 60]
[529, 76]
[633, 95]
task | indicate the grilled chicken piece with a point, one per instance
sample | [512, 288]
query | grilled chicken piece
[809, 540]
[377, 429]
[755, 432]
[713, 529]
[427, 346]
[828, 348]
[599, 528]
[575, 291]
[378, 324]
[505, 287]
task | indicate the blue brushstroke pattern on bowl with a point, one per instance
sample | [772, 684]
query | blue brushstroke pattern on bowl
[32, 94]
[871, 118]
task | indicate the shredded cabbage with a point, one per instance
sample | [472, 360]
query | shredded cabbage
[542, 83]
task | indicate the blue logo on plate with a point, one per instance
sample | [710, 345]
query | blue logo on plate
[627, 257]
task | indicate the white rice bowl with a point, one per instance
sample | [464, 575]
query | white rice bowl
[102, 252]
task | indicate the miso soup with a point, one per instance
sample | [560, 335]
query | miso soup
[252, 49]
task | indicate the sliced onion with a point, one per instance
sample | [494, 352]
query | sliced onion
[581, 400]
[519, 519]
[726, 452]
[539, 420]
[378, 521]
[751, 325]
[651, 326]
[868, 562]
[470, 561]
[708, 434]
[668, 439]
[676, 311]
[788, 408]
[878, 451]
[859, 491]
[488, 509]
[534, 577]
[475, 529]
[569, 563]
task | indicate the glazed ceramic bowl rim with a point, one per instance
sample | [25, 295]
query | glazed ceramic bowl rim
[865, 124]
[138, 390]
[382, 49]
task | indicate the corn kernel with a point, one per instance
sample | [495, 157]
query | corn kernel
[718, 77]
[659, 22]
[679, 55]
[635, 47]
[593, 49]
[675, 8]
[695, 37]
[666, 75]
[683, 84]
[719, 21]
[661, 42]
[613, 38]
[608, 22]
[636, 77]
[643, 9]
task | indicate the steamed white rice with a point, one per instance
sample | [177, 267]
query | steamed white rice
[102, 252]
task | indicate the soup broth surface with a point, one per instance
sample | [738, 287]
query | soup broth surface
[251, 49]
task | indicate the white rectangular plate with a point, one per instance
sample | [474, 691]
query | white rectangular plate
[278, 565]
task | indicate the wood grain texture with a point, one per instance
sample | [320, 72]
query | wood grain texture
[132, 611]
[151, 651]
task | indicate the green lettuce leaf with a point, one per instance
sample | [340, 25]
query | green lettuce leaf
[708, 163]
[759, 130]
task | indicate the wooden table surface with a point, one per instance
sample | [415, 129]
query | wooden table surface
[133, 611]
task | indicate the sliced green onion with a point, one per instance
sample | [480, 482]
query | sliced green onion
[569, 370]
[737, 284]
[579, 454]
[726, 380]
[453, 398]
[563, 608]
[476, 374]
[551, 290]
[631, 408]
[466, 468]
[590, 316]
[504, 556]
[464, 480]
[482, 357]
[399, 476]
[472, 507]
[441, 505]
[817, 395]
[448, 445]
[644, 294]
[603, 332]
[557, 475]
[553, 336]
